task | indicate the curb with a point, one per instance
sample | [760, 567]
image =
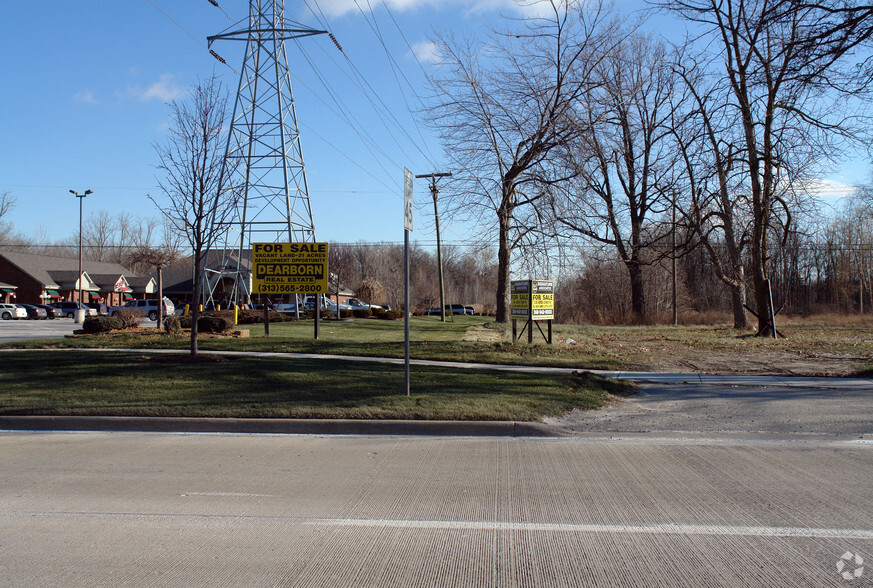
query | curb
[277, 426]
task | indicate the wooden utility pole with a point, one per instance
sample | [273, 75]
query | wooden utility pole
[434, 191]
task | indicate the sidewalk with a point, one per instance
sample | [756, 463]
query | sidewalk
[641, 377]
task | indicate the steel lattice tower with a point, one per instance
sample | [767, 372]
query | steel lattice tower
[263, 164]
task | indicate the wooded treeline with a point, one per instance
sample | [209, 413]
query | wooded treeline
[577, 131]
[587, 150]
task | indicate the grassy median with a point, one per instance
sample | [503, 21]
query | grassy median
[134, 384]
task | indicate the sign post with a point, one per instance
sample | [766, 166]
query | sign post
[534, 301]
[290, 268]
[407, 228]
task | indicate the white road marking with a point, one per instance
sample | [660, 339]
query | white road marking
[657, 529]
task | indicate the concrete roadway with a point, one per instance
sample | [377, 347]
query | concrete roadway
[709, 482]
[149, 509]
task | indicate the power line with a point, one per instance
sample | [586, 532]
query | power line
[187, 32]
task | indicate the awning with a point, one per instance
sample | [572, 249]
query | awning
[9, 291]
[52, 294]
[127, 296]
[95, 296]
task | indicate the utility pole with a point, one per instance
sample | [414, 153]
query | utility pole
[434, 191]
[673, 255]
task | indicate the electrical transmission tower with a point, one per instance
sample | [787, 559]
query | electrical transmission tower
[263, 164]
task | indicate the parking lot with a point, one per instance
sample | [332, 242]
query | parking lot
[20, 330]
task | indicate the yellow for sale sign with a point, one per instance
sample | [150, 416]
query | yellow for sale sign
[289, 268]
[534, 299]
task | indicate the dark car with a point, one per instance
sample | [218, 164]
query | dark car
[455, 309]
[49, 310]
[34, 312]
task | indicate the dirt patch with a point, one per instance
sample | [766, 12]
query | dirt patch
[481, 333]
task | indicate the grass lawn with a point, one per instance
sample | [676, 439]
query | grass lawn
[471, 339]
[67, 381]
[115, 383]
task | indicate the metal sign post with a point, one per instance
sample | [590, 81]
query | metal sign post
[407, 228]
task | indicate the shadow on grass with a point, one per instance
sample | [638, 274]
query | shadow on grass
[88, 383]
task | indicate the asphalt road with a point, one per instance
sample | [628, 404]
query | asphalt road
[21, 330]
[758, 406]
[136, 509]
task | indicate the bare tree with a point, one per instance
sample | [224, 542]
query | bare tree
[195, 203]
[791, 72]
[156, 257]
[625, 161]
[7, 203]
[711, 195]
[503, 111]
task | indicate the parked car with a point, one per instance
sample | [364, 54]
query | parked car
[34, 312]
[49, 310]
[450, 309]
[101, 308]
[356, 303]
[68, 309]
[470, 310]
[12, 311]
[148, 307]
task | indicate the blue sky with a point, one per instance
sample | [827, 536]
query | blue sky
[88, 82]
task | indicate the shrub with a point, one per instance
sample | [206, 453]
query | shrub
[214, 324]
[129, 317]
[379, 312]
[173, 325]
[393, 314]
[361, 313]
[250, 317]
[346, 313]
[102, 324]
[185, 321]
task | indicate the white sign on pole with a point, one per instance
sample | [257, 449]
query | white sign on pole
[407, 199]
[407, 225]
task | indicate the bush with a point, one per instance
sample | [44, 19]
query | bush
[393, 314]
[185, 321]
[379, 312]
[173, 325]
[102, 324]
[361, 313]
[129, 317]
[214, 324]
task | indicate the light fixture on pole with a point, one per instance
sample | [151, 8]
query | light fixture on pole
[79, 280]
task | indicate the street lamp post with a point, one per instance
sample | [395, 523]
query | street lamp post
[80, 197]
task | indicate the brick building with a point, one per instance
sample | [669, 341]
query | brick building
[42, 279]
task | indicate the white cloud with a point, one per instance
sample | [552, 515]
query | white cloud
[425, 52]
[343, 7]
[85, 96]
[164, 90]
[827, 188]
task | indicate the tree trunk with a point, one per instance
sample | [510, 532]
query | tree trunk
[504, 253]
[638, 292]
[738, 300]
[195, 300]
[759, 279]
